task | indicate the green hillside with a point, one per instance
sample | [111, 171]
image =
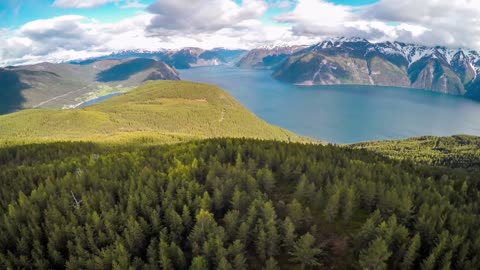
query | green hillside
[161, 111]
[459, 151]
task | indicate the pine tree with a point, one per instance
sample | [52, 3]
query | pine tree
[224, 264]
[289, 235]
[199, 263]
[206, 202]
[266, 180]
[239, 262]
[271, 264]
[295, 213]
[231, 220]
[165, 260]
[412, 253]
[376, 256]
[333, 206]
[186, 217]
[261, 245]
[348, 204]
[305, 253]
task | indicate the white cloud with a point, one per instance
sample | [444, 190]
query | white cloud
[450, 23]
[201, 16]
[75, 37]
[213, 23]
[431, 22]
[81, 3]
[71, 37]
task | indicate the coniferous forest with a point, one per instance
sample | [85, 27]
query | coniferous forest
[232, 204]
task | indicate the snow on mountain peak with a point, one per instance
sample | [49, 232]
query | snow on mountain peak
[274, 45]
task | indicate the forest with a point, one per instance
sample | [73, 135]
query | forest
[232, 204]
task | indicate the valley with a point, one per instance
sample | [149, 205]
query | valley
[60, 85]
[160, 177]
[238, 135]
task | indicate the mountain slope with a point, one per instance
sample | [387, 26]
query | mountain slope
[172, 108]
[49, 85]
[267, 57]
[357, 61]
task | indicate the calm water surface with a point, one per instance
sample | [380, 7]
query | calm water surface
[96, 100]
[344, 114]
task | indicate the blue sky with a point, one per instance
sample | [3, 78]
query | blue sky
[15, 13]
[59, 30]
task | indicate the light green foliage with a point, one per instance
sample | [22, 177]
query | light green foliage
[156, 112]
[376, 256]
[305, 253]
[459, 151]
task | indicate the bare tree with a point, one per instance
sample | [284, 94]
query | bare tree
[76, 203]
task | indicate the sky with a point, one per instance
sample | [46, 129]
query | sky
[60, 30]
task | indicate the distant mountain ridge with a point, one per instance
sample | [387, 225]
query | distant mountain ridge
[268, 56]
[56, 85]
[181, 59]
[358, 61]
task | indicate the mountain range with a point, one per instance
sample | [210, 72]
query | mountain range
[181, 59]
[333, 61]
[358, 61]
[53, 85]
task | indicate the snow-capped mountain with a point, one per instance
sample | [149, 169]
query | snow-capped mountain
[358, 61]
[269, 56]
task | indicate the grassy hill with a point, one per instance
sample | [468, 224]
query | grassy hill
[160, 111]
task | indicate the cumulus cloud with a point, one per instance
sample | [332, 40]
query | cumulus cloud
[76, 37]
[431, 22]
[202, 16]
[239, 24]
[322, 18]
[450, 23]
[71, 36]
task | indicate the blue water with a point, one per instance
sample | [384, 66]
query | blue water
[93, 101]
[344, 114]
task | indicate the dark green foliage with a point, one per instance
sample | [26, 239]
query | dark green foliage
[231, 204]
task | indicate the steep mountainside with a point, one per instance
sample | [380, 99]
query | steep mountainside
[181, 59]
[357, 61]
[160, 110]
[267, 57]
[48, 85]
